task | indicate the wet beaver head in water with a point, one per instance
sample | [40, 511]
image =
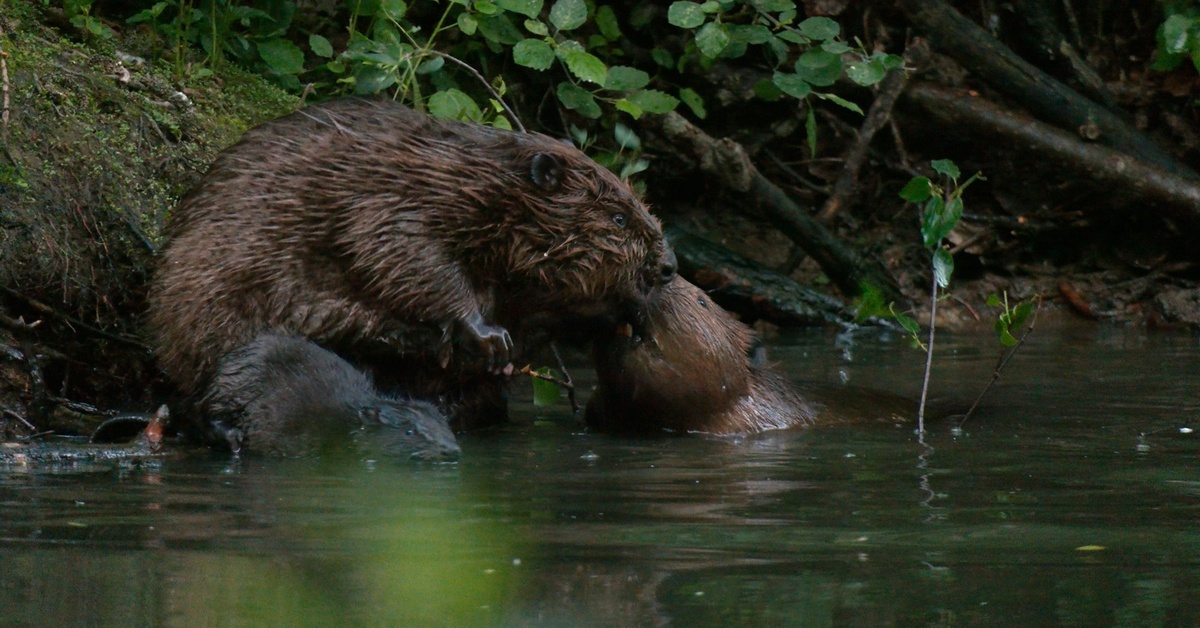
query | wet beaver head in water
[283, 395]
[688, 366]
[343, 218]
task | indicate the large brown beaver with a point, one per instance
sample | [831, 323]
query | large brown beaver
[349, 220]
[285, 396]
[688, 366]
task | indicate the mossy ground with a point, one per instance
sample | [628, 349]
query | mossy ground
[99, 145]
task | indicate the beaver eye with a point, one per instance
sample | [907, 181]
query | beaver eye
[620, 220]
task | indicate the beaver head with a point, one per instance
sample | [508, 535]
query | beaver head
[686, 365]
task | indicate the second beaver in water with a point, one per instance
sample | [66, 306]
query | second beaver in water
[349, 220]
[689, 366]
[282, 395]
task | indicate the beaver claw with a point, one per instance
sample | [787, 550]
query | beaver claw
[495, 341]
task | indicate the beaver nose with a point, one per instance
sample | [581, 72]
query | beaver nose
[669, 267]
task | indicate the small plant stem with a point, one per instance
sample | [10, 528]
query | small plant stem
[562, 368]
[466, 66]
[1001, 363]
[928, 357]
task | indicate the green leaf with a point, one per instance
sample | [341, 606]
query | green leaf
[908, 323]
[455, 105]
[773, 6]
[626, 138]
[578, 99]
[810, 132]
[943, 267]
[791, 85]
[467, 23]
[940, 219]
[628, 107]
[320, 46]
[533, 53]
[946, 167]
[819, 28]
[431, 65]
[663, 57]
[624, 77]
[767, 90]
[839, 101]
[749, 34]
[606, 21]
[568, 15]
[393, 9]
[917, 190]
[818, 67]
[993, 300]
[836, 47]
[372, 79]
[1021, 314]
[685, 14]
[282, 56]
[537, 27]
[866, 73]
[1173, 34]
[794, 37]
[585, 66]
[654, 101]
[711, 39]
[545, 393]
[529, 8]
[693, 101]
[486, 7]
[633, 167]
[499, 29]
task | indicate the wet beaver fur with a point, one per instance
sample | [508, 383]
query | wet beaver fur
[351, 222]
[688, 366]
[282, 395]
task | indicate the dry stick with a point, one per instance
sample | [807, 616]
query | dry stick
[562, 368]
[1106, 167]
[72, 321]
[1000, 364]
[1044, 96]
[486, 85]
[20, 418]
[727, 161]
[877, 116]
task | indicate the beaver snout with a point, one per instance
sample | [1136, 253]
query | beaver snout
[668, 266]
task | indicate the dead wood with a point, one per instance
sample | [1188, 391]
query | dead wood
[751, 290]
[1045, 97]
[1107, 168]
[727, 162]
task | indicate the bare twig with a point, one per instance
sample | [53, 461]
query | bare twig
[21, 419]
[488, 86]
[1000, 364]
[528, 370]
[877, 116]
[73, 322]
[928, 355]
[562, 368]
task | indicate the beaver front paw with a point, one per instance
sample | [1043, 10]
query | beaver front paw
[494, 340]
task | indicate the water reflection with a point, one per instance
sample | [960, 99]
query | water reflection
[1070, 499]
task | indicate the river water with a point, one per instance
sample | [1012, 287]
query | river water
[1072, 498]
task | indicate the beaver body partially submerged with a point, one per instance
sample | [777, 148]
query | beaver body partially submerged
[282, 395]
[352, 221]
[689, 366]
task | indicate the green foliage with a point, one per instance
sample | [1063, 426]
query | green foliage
[941, 209]
[545, 392]
[807, 55]
[1178, 36]
[79, 13]
[1010, 317]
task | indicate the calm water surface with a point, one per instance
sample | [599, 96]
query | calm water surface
[1072, 499]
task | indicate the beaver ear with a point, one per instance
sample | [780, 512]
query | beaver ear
[546, 171]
